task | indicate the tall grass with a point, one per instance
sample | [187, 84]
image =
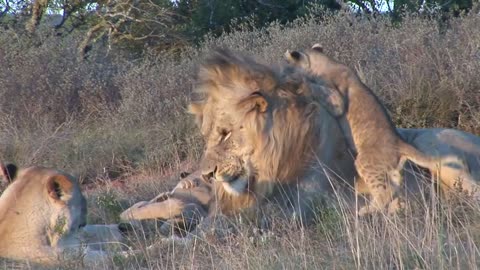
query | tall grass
[430, 234]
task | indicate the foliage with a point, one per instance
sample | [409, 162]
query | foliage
[162, 25]
[215, 16]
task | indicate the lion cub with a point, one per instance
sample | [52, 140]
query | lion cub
[381, 152]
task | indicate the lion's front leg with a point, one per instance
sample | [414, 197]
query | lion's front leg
[161, 197]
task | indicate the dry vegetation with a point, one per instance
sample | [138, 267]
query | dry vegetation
[113, 117]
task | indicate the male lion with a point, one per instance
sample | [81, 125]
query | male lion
[43, 219]
[262, 126]
[380, 151]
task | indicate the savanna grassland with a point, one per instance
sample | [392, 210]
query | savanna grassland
[120, 124]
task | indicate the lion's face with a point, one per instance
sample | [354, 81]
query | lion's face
[256, 122]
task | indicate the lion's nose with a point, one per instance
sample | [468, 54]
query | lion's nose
[207, 175]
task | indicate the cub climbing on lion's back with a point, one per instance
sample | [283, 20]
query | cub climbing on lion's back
[381, 152]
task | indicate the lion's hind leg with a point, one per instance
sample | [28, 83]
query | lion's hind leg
[361, 186]
[395, 205]
[379, 183]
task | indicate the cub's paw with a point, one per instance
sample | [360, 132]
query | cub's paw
[397, 206]
[366, 211]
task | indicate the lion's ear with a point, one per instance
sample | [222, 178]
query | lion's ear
[293, 56]
[317, 47]
[256, 101]
[8, 172]
[197, 110]
[60, 188]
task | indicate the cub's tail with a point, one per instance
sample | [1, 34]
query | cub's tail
[452, 171]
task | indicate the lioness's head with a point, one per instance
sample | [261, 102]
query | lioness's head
[256, 120]
[41, 207]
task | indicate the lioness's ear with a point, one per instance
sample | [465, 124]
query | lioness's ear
[8, 172]
[293, 57]
[256, 101]
[317, 47]
[60, 188]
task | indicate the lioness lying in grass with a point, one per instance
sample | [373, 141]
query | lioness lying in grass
[43, 220]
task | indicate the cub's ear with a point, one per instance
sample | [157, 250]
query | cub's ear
[60, 188]
[294, 56]
[8, 172]
[317, 47]
[256, 101]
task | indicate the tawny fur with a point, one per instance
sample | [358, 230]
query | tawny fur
[381, 152]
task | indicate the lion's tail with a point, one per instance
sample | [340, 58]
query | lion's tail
[452, 171]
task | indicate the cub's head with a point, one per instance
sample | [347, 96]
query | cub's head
[312, 59]
[48, 203]
[256, 121]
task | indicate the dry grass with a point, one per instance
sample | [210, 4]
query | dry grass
[113, 117]
[430, 234]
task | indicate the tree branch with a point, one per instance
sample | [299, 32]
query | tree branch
[362, 6]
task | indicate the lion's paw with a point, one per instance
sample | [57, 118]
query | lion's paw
[188, 183]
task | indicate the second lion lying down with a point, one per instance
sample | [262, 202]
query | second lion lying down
[263, 130]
